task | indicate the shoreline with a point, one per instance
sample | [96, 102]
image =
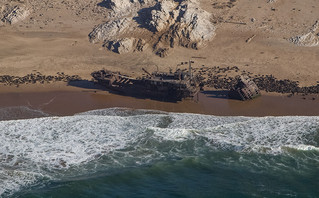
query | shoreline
[58, 99]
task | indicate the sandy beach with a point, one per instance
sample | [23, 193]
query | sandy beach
[129, 146]
[255, 37]
[63, 100]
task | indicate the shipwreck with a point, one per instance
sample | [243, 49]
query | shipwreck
[157, 85]
[245, 89]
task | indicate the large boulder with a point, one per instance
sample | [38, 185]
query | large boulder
[126, 45]
[309, 39]
[109, 30]
[187, 25]
[15, 14]
[162, 16]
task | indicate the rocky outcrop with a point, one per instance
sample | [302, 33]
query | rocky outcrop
[110, 30]
[162, 16]
[126, 45]
[309, 39]
[173, 23]
[187, 25]
[15, 14]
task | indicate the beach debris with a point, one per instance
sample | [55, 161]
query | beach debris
[245, 89]
[250, 38]
[309, 39]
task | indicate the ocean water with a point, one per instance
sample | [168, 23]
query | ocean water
[122, 152]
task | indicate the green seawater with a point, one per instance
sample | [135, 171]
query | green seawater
[138, 153]
[215, 174]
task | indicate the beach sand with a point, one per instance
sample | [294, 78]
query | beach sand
[54, 38]
[68, 100]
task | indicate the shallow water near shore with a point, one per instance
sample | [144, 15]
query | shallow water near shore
[120, 152]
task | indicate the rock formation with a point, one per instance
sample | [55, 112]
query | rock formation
[15, 14]
[173, 23]
[309, 39]
[162, 16]
[188, 26]
[110, 30]
[126, 45]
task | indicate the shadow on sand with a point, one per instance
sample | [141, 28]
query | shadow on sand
[224, 94]
[86, 84]
[105, 4]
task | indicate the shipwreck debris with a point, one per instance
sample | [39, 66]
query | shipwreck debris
[245, 89]
[157, 85]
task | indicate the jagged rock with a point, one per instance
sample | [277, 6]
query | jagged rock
[109, 30]
[141, 45]
[15, 15]
[121, 46]
[126, 45]
[309, 39]
[181, 23]
[190, 27]
[161, 16]
[195, 23]
[162, 52]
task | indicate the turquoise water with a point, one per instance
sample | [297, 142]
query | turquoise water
[137, 153]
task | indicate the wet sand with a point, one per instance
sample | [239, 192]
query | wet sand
[70, 102]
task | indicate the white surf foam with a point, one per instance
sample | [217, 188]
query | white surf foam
[48, 147]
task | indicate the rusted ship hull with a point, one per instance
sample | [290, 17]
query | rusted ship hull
[154, 88]
[245, 89]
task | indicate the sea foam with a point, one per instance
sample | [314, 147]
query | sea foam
[53, 148]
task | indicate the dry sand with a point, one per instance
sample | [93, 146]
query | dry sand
[54, 38]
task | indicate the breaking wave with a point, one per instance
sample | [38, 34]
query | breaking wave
[45, 149]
